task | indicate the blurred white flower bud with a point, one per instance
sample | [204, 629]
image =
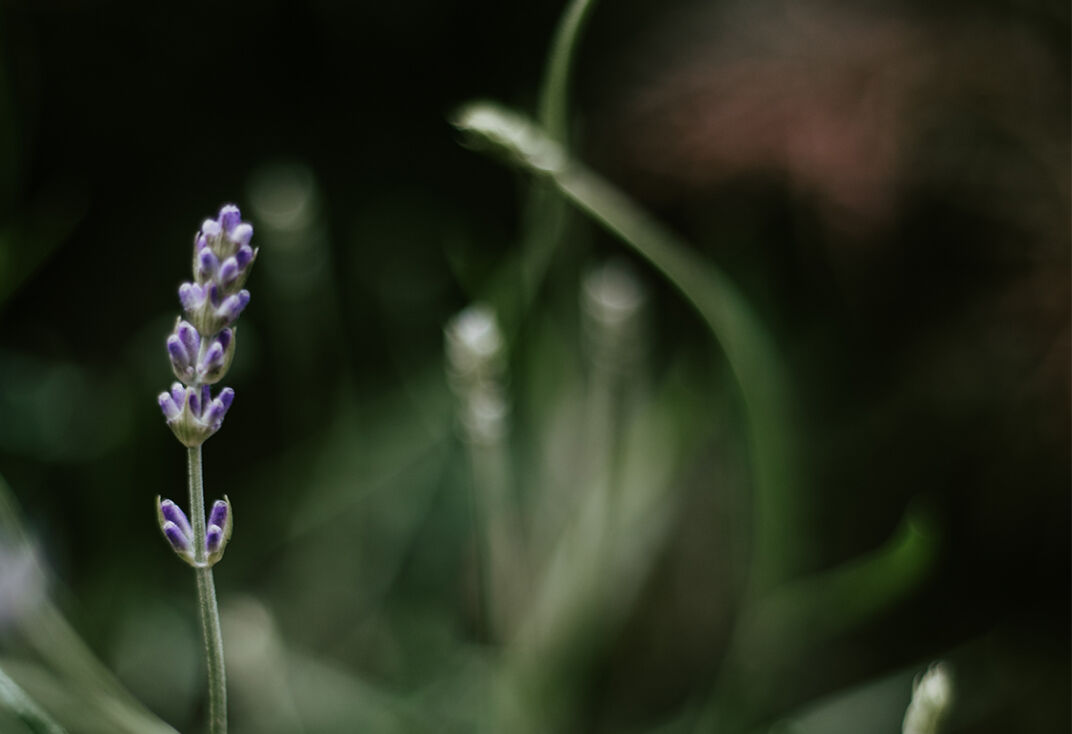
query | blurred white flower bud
[474, 342]
[932, 695]
[614, 300]
[474, 346]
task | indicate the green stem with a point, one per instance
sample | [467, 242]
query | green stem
[16, 700]
[208, 611]
[554, 97]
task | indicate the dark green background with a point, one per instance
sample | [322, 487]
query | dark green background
[928, 342]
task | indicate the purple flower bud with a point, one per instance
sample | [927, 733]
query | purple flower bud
[232, 307]
[218, 515]
[216, 411]
[174, 514]
[229, 217]
[180, 358]
[193, 401]
[216, 359]
[226, 397]
[213, 357]
[207, 264]
[211, 229]
[175, 536]
[242, 234]
[189, 337]
[224, 338]
[191, 295]
[168, 406]
[229, 271]
[213, 538]
[244, 256]
[212, 302]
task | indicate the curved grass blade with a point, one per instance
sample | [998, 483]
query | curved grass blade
[749, 350]
[16, 700]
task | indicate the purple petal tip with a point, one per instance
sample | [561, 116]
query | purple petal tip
[230, 217]
[226, 397]
[244, 256]
[229, 270]
[176, 537]
[213, 538]
[174, 514]
[179, 356]
[167, 405]
[191, 296]
[218, 515]
[242, 234]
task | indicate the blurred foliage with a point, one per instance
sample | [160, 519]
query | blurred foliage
[781, 410]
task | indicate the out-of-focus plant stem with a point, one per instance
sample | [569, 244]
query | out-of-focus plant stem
[554, 95]
[57, 644]
[208, 611]
[13, 698]
[750, 352]
[502, 540]
[546, 211]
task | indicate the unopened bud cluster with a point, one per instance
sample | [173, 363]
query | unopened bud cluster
[202, 345]
[180, 535]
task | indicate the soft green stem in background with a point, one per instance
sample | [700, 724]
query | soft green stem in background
[88, 692]
[545, 213]
[554, 96]
[208, 611]
[749, 350]
[16, 700]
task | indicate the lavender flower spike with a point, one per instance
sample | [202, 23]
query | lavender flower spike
[222, 259]
[200, 349]
[201, 346]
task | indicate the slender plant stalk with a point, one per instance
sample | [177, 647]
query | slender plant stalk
[207, 609]
[18, 702]
[554, 96]
[546, 215]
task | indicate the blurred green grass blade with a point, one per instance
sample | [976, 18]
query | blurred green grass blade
[554, 95]
[799, 617]
[598, 565]
[545, 216]
[18, 702]
[793, 622]
[60, 647]
[82, 709]
[749, 349]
